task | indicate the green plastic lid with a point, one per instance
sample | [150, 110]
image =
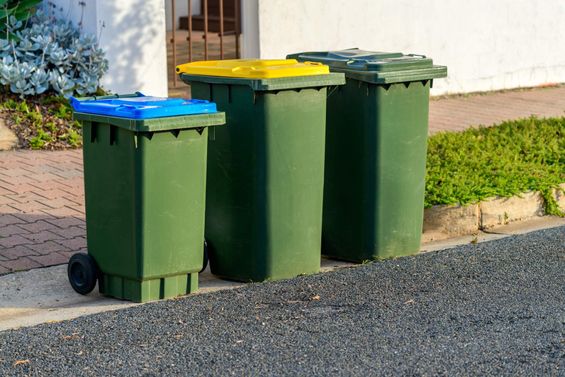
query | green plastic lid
[376, 67]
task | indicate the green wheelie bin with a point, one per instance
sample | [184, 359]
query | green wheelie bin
[266, 168]
[145, 185]
[376, 142]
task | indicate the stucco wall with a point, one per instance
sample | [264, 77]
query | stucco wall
[486, 44]
[132, 33]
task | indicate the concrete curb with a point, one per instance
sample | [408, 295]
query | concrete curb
[447, 221]
[8, 140]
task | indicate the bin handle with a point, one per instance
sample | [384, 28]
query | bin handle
[417, 56]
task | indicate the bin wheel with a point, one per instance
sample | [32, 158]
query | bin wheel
[82, 273]
[205, 256]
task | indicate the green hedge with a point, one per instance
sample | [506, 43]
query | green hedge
[504, 160]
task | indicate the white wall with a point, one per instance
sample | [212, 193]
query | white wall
[132, 33]
[486, 44]
[249, 29]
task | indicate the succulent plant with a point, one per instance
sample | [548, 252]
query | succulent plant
[48, 54]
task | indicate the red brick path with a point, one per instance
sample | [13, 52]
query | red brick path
[42, 197]
[41, 208]
[459, 113]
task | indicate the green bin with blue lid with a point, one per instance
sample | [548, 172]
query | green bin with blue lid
[376, 140]
[145, 187]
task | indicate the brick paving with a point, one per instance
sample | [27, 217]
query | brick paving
[42, 194]
[461, 112]
[41, 208]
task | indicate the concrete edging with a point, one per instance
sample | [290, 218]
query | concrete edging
[8, 140]
[446, 221]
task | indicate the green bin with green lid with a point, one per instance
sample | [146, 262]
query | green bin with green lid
[376, 142]
[266, 168]
[145, 185]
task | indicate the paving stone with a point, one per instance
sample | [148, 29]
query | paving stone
[24, 198]
[38, 226]
[66, 222]
[16, 252]
[48, 186]
[6, 200]
[17, 188]
[9, 230]
[4, 191]
[51, 193]
[13, 241]
[77, 243]
[47, 247]
[33, 216]
[70, 232]
[29, 207]
[20, 264]
[44, 177]
[5, 208]
[64, 212]
[8, 219]
[14, 173]
[50, 259]
[71, 173]
[42, 236]
[58, 202]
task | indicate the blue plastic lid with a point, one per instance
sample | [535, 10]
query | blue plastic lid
[139, 106]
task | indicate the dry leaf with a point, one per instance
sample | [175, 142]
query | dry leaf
[315, 298]
[20, 362]
[72, 336]
[410, 302]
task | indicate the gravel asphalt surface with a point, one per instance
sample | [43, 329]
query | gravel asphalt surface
[495, 308]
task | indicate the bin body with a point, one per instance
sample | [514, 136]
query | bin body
[145, 199]
[265, 175]
[377, 126]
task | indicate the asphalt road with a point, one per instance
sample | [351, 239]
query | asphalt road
[495, 308]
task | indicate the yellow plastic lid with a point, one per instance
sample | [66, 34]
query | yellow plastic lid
[254, 68]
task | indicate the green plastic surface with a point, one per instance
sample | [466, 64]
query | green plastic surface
[375, 170]
[283, 83]
[376, 67]
[156, 124]
[145, 198]
[265, 179]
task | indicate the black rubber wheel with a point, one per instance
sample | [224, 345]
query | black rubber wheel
[82, 273]
[205, 257]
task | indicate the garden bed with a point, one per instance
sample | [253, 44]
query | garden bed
[41, 122]
[511, 158]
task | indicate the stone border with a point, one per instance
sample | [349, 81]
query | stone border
[8, 140]
[446, 221]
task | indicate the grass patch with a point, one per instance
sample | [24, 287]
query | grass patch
[41, 122]
[504, 160]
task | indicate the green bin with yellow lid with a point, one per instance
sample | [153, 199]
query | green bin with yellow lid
[266, 168]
